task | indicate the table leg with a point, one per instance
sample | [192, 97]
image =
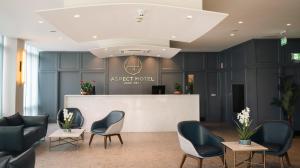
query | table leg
[264, 159]
[224, 158]
[234, 159]
[49, 143]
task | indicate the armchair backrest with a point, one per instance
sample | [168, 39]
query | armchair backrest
[77, 121]
[277, 132]
[114, 121]
[193, 131]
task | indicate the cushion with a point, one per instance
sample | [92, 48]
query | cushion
[15, 120]
[208, 150]
[272, 148]
[99, 130]
[3, 122]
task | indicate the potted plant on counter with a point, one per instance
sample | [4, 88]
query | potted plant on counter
[86, 87]
[178, 88]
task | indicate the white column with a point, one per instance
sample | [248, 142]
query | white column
[9, 76]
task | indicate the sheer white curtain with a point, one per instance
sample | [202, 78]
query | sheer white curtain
[1, 72]
[31, 80]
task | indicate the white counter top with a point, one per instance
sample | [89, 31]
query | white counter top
[143, 113]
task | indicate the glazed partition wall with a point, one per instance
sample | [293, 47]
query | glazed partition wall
[60, 74]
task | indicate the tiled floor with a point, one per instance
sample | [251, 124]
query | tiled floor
[140, 150]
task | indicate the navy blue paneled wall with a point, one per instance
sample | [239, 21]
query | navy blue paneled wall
[60, 74]
[258, 64]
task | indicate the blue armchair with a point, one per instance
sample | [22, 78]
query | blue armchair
[277, 136]
[111, 125]
[197, 142]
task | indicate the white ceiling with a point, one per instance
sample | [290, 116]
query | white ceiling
[262, 19]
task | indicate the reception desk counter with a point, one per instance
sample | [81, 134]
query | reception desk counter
[143, 113]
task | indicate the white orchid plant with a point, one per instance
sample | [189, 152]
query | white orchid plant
[244, 125]
[68, 119]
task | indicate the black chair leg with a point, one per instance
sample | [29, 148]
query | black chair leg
[91, 139]
[200, 162]
[109, 138]
[287, 158]
[120, 138]
[105, 142]
[183, 160]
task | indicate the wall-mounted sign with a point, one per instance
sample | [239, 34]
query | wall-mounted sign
[295, 57]
[133, 66]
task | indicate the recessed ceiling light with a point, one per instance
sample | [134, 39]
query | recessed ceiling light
[105, 49]
[95, 36]
[40, 21]
[240, 22]
[52, 31]
[76, 16]
[289, 24]
[173, 37]
[232, 34]
[189, 17]
[164, 49]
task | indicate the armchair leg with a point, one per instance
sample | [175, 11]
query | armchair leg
[109, 138]
[287, 158]
[105, 142]
[120, 138]
[200, 162]
[91, 139]
[183, 160]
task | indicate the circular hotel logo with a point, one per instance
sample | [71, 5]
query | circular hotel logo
[133, 65]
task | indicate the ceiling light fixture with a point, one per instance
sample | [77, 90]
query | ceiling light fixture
[105, 49]
[40, 21]
[52, 31]
[164, 49]
[189, 17]
[140, 15]
[232, 34]
[95, 36]
[76, 16]
[288, 24]
[173, 37]
[240, 22]
[158, 55]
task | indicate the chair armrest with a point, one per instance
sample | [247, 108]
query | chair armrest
[35, 120]
[25, 159]
[12, 138]
[99, 124]
[215, 140]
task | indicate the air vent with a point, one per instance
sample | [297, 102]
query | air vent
[135, 52]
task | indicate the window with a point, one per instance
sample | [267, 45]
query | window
[31, 81]
[1, 71]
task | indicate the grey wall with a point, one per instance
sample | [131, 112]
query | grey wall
[256, 63]
[60, 74]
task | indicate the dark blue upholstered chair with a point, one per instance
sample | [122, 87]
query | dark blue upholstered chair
[77, 121]
[197, 142]
[277, 136]
[109, 126]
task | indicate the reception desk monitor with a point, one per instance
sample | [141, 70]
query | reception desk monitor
[158, 89]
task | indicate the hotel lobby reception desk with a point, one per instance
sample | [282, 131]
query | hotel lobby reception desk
[143, 113]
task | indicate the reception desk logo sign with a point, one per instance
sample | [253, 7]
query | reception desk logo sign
[133, 67]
